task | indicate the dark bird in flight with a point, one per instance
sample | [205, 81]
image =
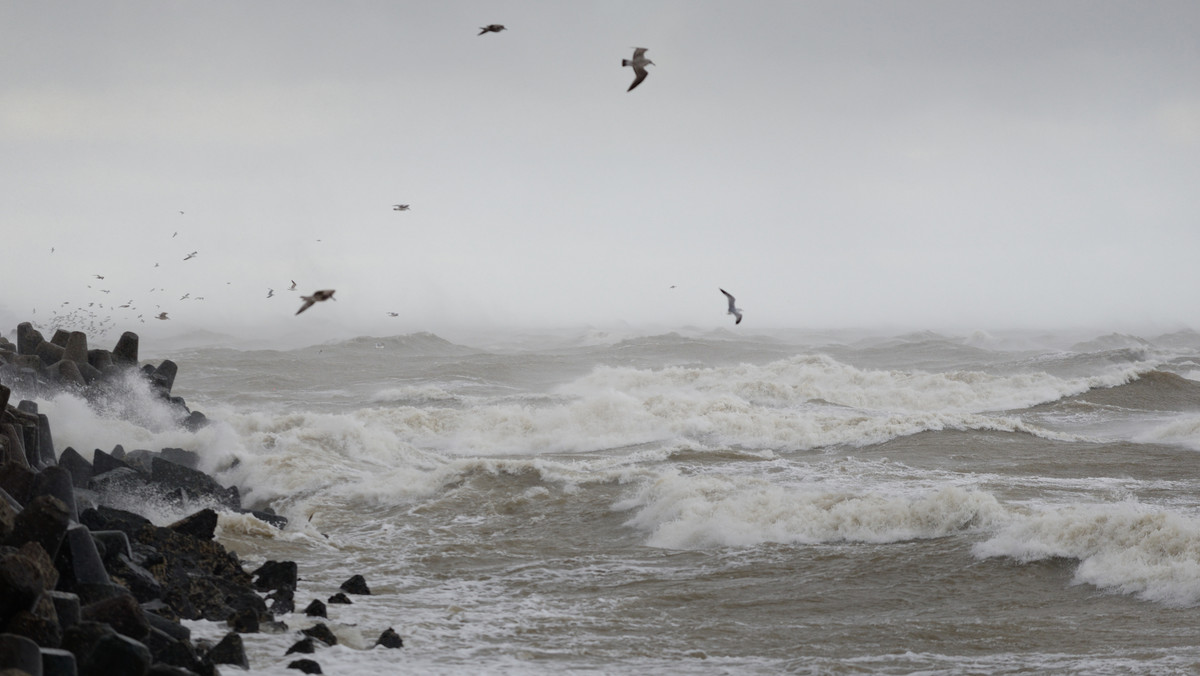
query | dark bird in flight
[639, 63]
[399, 207]
[309, 301]
[491, 28]
[733, 309]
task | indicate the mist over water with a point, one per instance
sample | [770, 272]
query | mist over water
[688, 502]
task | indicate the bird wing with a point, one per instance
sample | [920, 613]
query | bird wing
[638, 52]
[730, 297]
[641, 75]
[308, 302]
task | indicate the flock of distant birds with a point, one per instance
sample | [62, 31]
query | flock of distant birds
[96, 323]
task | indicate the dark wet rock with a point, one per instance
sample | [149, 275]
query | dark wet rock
[56, 481]
[81, 568]
[157, 622]
[306, 666]
[37, 556]
[230, 651]
[5, 395]
[58, 662]
[17, 479]
[66, 608]
[305, 646]
[201, 525]
[122, 613]
[76, 348]
[195, 420]
[122, 481]
[126, 351]
[67, 373]
[20, 653]
[272, 518]
[316, 609]
[320, 632]
[21, 583]
[110, 518]
[106, 462]
[49, 352]
[140, 459]
[276, 575]
[390, 639]
[101, 360]
[245, 621]
[139, 581]
[283, 601]
[355, 585]
[44, 520]
[28, 338]
[339, 598]
[45, 441]
[77, 465]
[13, 442]
[164, 375]
[111, 544]
[39, 623]
[8, 518]
[172, 478]
[117, 655]
[179, 456]
[60, 337]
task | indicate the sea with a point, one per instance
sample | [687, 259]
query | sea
[706, 502]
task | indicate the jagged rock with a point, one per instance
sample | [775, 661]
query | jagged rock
[272, 518]
[109, 518]
[28, 338]
[171, 478]
[157, 622]
[106, 462]
[306, 666]
[122, 613]
[66, 608]
[179, 456]
[81, 568]
[111, 544]
[39, 623]
[201, 525]
[68, 373]
[164, 376]
[305, 646]
[320, 632]
[49, 352]
[276, 575]
[17, 479]
[58, 662]
[245, 621]
[20, 653]
[316, 609]
[14, 445]
[101, 360]
[117, 655]
[139, 459]
[77, 465]
[356, 585]
[283, 601]
[76, 348]
[339, 598]
[390, 639]
[121, 481]
[36, 554]
[45, 441]
[5, 395]
[44, 520]
[126, 351]
[60, 338]
[21, 583]
[8, 518]
[195, 420]
[230, 651]
[56, 481]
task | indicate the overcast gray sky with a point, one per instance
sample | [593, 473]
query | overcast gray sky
[927, 164]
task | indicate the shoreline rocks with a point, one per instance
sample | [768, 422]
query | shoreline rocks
[89, 588]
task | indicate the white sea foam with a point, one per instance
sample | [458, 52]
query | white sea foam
[1125, 547]
[681, 511]
[1183, 431]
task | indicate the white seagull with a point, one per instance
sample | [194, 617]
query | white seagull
[733, 309]
[639, 63]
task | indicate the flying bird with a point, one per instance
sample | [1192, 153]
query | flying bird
[733, 309]
[639, 63]
[399, 207]
[491, 28]
[324, 294]
[270, 292]
[98, 276]
[293, 286]
[393, 314]
[190, 256]
[162, 315]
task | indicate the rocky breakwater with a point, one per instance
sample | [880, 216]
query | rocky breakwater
[86, 588]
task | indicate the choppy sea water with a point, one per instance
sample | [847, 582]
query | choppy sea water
[711, 503]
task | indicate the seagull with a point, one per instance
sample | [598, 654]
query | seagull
[293, 286]
[491, 28]
[270, 292]
[639, 63]
[399, 207]
[324, 294]
[98, 276]
[190, 256]
[393, 314]
[733, 309]
[162, 315]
